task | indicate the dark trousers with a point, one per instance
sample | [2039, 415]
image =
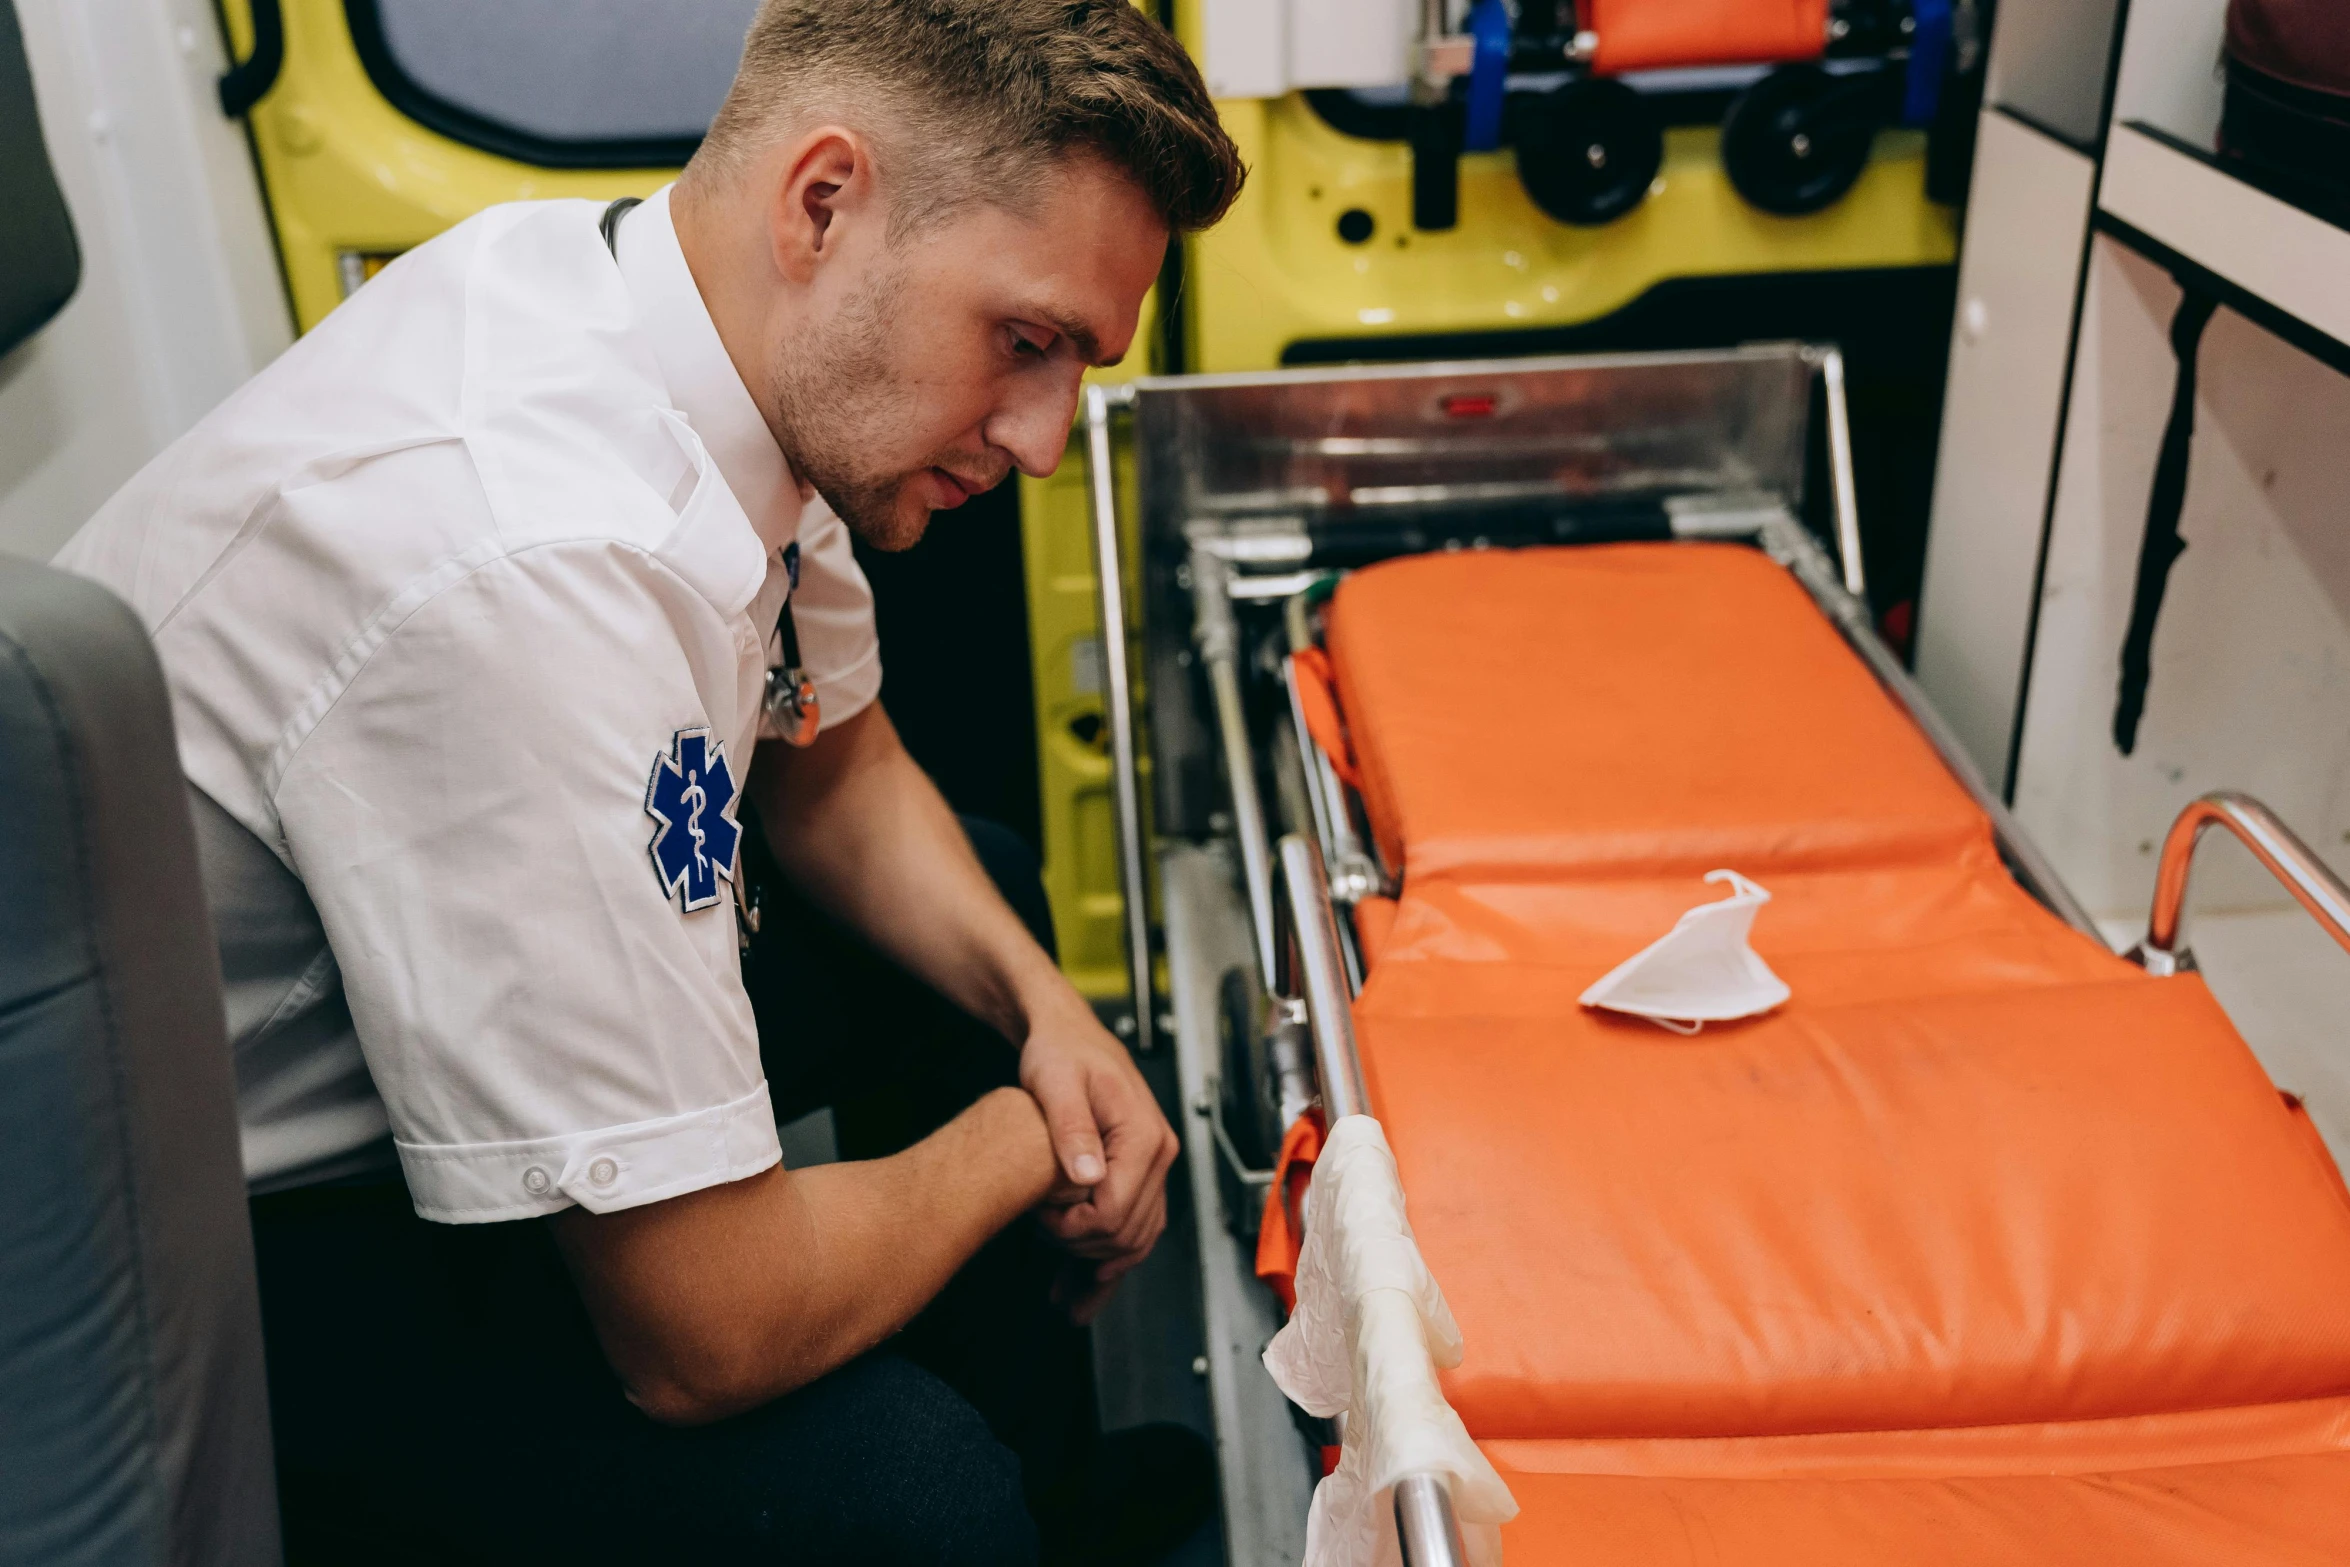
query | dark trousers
[438, 1394]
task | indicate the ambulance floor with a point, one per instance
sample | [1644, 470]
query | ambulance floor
[1147, 1339]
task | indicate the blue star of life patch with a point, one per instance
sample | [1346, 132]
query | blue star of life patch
[692, 795]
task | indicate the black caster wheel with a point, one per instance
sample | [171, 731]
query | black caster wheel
[1795, 141]
[1588, 151]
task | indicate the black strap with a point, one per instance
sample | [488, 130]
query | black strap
[789, 631]
[2162, 546]
[609, 224]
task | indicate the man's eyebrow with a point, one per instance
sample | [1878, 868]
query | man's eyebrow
[1089, 347]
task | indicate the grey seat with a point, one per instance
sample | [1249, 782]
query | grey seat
[134, 1418]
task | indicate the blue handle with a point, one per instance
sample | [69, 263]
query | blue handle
[1929, 61]
[1489, 69]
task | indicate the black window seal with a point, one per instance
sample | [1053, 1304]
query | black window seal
[436, 113]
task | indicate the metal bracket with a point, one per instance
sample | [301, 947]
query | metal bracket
[1210, 1107]
[1846, 497]
[1125, 769]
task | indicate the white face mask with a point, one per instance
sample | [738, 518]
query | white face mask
[1701, 971]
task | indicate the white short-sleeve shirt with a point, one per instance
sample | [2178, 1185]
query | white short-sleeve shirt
[466, 605]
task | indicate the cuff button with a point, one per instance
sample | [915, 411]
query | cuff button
[603, 1172]
[537, 1182]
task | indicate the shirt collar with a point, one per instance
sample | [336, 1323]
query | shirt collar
[703, 383]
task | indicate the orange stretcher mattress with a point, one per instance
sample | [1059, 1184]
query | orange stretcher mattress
[2055, 1203]
[1529, 949]
[1624, 710]
[1986, 1246]
[2172, 1498]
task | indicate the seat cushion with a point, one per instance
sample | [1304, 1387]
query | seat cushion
[1529, 949]
[1624, 710]
[2275, 1509]
[2059, 1202]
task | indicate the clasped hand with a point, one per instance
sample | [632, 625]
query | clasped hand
[1112, 1146]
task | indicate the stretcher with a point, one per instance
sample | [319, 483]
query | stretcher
[1793, 140]
[1987, 1245]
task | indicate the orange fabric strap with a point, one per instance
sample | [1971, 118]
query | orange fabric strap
[1281, 1236]
[1317, 696]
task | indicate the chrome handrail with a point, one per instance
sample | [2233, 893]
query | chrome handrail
[1425, 1525]
[1125, 776]
[2309, 879]
[1321, 980]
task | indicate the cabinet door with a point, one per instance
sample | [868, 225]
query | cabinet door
[2010, 344]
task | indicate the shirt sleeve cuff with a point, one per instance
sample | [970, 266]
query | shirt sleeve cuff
[603, 1170]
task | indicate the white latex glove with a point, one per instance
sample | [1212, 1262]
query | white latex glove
[1369, 1331]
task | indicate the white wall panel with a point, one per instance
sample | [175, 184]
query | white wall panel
[2025, 227]
[1245, 50]
[2251, 665]
[180, 299]
[1265, 48]
[1350, 43]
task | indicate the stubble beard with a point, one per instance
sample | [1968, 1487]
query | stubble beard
[839, 397]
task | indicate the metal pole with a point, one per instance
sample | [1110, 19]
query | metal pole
[1425, 1525]
[1322, 978]
[2310, 880]
[1217, 632]
[1846, 497]
[1125, 770]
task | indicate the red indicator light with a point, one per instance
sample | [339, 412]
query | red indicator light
[1468, 405]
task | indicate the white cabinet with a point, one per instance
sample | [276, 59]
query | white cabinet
[2017, 281]
[2039, 523]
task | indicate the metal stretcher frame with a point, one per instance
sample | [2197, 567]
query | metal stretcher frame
[1304, 955]
[1306, 959]
[1838, 589]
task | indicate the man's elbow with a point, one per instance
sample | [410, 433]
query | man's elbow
[699, 1389]
[672, 1403]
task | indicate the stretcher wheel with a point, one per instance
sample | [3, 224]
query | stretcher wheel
[1797, 139]
[1588, 150]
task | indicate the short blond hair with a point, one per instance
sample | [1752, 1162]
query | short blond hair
[969, 99]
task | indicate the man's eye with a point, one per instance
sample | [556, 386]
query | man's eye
[1032, 347]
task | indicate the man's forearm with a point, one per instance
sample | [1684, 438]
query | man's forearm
[715, 1302]
[865, 834]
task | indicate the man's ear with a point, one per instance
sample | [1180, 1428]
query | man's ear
[827, 184]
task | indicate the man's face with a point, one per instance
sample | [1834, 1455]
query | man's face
[937, 366]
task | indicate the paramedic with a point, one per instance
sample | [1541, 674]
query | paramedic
[468, 606]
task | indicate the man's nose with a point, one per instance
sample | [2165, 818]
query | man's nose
[1033, 424]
